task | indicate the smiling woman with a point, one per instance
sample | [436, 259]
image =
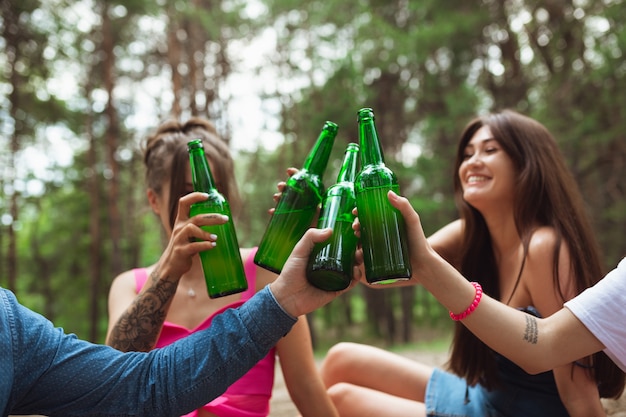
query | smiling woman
[520, 235]
[487, 173]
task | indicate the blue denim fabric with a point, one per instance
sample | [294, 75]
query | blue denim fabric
[518, 394]
[448, 395]
[44, 371]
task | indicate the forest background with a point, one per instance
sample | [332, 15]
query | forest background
[83, 82]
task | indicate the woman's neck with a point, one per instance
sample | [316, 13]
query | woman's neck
[503, 232]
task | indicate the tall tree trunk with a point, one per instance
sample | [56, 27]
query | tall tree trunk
[407, 297]
[2, 234]
[43, 272]
[10, 32]
[195, 58]
[111, 137]
[174, 60]
[13, 210]
[95, 257]
[390, 318]
[134, 226]
[112, 133]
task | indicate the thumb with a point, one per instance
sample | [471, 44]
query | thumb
[411, 218]
[312, 236]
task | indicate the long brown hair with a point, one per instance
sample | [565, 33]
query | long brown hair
[166, 158]
[546, 194]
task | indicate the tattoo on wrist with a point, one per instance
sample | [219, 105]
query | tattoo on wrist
[139, 327]
[532, 332]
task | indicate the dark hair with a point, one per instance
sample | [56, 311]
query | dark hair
[546, 194]
[166, 158]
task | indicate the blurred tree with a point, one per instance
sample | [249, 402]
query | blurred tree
[103, 73]
[427, 68]
[23, 44]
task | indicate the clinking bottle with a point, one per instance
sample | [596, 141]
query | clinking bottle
[383, 232]
[222, 265]
[331, 263]
[297, 206]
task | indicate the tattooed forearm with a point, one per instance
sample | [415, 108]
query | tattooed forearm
[139, 327]
[532, 332]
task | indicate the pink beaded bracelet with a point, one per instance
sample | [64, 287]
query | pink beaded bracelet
[472, 307]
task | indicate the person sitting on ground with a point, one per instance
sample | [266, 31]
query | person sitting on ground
[47, 372]
[524, 235]
[188, 307]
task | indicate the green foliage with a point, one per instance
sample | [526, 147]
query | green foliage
[349, 318]
[55, 233]
[426, 68]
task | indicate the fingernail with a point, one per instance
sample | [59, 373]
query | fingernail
[224, 217]
[214, 237]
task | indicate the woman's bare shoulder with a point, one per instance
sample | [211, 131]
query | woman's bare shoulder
[126, 280]
[542, 259]
[543, 238]
[542, 249]
[447, 241]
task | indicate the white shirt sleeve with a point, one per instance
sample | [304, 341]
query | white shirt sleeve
[601, 309]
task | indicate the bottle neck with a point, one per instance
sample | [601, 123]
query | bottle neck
[318, 157]
[201, 176]
[371, 151]
[349, 166]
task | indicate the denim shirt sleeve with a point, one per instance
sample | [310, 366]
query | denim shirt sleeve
[45, 371]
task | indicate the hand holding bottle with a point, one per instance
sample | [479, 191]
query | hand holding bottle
[223, 269]
[424, 259]
[297, 206]
[188, 238]
[280, 186]
[292, 290]
[331, 262]
[383, 238]
[422, 256]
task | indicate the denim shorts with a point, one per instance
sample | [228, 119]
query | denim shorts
[520, 395]
[448, 395]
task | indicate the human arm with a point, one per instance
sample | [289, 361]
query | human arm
[576, 385]
[135, 320]
[302, 377]
[536, 345]
[54, 374]
[297, 362]
[57, 374]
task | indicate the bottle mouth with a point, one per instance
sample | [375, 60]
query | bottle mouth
[194, 144]
[365, 113]
[331, 126]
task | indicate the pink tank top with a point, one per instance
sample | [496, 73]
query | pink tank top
[250, 395]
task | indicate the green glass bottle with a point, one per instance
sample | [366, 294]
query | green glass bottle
[383, 232]
[297, 206]
[222, 265]
[331, 263]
